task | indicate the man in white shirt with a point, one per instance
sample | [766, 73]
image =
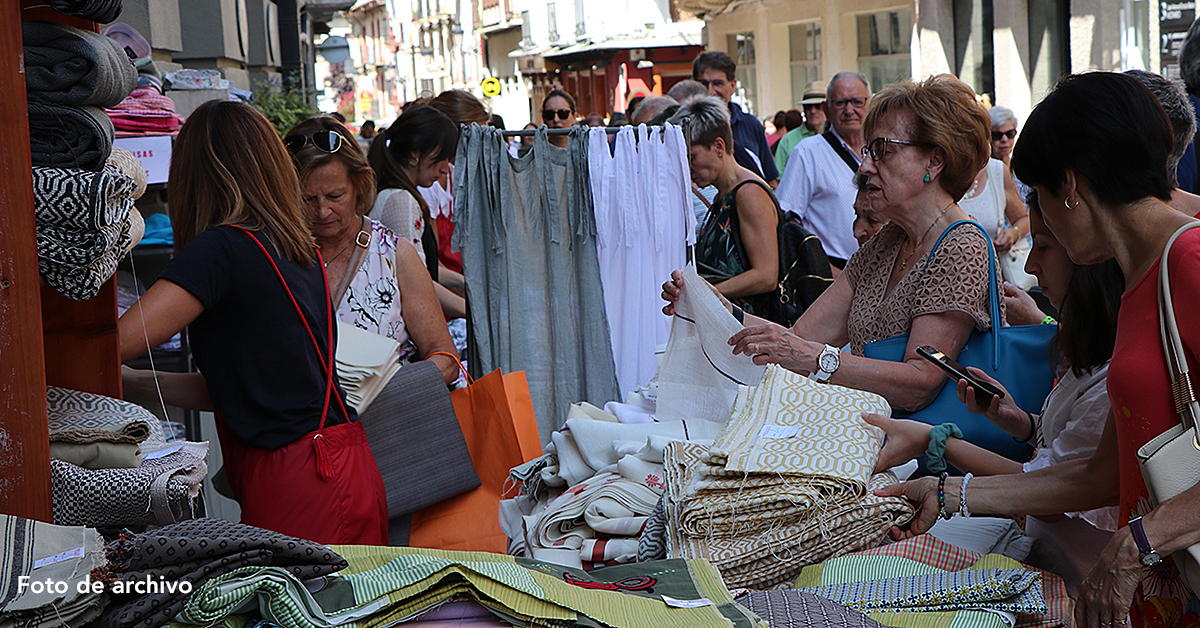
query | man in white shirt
[818, 183]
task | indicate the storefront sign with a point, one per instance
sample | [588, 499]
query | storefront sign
[1174, 19]
[154, 151]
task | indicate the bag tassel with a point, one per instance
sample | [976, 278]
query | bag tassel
[324, 464]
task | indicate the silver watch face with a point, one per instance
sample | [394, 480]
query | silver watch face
[829, 362]
[1151, 558]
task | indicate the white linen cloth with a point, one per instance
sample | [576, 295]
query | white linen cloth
[641, 195]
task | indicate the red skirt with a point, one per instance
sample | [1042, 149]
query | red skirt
[283, 491]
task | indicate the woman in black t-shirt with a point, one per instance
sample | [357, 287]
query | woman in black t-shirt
[249, 284]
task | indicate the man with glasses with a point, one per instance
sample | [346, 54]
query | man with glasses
[818, 182]
[717, 72]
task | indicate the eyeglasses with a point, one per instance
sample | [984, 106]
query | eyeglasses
[877, 147]
[719, 83]
[996, 135]
[325, 141]
[841, 103]
[563, 114]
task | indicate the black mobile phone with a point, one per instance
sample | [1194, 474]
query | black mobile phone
[955, 371]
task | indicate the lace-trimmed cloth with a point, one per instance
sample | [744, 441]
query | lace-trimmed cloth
[954, 280]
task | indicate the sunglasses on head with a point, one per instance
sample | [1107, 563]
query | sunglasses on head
[996, 135]
[563, 114]
[325, 141]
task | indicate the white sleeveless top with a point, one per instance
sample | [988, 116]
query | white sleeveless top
[986, 206]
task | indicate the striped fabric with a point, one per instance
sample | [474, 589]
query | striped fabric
[1010, 590]
[44, 552]
[924, 555]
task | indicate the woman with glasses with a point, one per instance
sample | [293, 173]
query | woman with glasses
[250, 286]
[925, 143]
[1101, 205]
[558, 112]
[377, 280]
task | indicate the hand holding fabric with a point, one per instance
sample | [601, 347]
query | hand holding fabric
[775, 344]
[906, 440]
[923, 493]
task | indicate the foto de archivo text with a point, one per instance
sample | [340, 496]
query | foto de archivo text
[87, 585]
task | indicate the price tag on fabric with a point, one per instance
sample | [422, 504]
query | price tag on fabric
[779, 431]
[697, 603]
[58, 558]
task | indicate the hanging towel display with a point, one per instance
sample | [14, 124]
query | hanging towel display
[40, 552]
[69, 137]
[527, 233]
[641, 194]
[69, 66]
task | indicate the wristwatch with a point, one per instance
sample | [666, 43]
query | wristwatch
[1147, 554]
[827, 362]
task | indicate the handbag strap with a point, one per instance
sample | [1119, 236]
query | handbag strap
[326, 363]
[993, 284]
[1181, 380]
[841, 150]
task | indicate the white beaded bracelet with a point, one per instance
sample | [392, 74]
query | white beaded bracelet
[962, 496]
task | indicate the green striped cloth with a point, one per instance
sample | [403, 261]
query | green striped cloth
[384, 585]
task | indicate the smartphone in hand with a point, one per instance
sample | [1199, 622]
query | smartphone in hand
[955, 371]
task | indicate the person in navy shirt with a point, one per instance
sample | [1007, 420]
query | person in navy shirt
[718, 73]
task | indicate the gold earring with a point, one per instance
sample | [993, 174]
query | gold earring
[1068, 205]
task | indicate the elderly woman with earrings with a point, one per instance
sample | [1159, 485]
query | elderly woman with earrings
[925, 143]
[1111, 204]
[250, 286]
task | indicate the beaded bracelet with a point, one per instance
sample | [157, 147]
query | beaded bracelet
[962, 496]
[942, 496]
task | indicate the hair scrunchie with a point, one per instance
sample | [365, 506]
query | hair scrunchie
[935, 454]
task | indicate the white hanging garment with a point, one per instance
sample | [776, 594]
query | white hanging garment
[640, 195]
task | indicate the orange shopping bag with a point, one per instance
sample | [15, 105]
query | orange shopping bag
[496, 416]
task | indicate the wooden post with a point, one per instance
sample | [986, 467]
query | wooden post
[24, 438]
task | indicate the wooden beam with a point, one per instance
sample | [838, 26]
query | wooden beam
[24, 437]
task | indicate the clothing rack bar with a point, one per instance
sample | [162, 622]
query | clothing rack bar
[529, 132]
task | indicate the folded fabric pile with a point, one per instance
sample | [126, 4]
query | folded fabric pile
[789, 608]
[70, 74]
[384, 586]
[585, 503]
[160, 489]
[114, 447]
[85, 225]
[195, 552]
[365, 363]
[101, 11]
[787, 483]
[41, 552]
[923, 582]
[146, 111]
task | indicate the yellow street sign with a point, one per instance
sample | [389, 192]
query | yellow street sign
[491, 87]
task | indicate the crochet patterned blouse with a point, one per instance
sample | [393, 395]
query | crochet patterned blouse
[955, 279]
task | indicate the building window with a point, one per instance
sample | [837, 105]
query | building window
[1049, 45]
[552, 22]
[805, 43]
[741, 48]
[883, 46]
[973, 45]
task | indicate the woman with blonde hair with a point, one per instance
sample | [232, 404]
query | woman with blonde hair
[249, 284]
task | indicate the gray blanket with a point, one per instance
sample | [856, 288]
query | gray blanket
[70, 137]
[65, 65]
[103, 11]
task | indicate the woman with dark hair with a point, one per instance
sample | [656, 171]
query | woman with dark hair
[1072, 418]
[416, 149]
[927, 141]
[558, 112]
[1102, 204]
[249, 284]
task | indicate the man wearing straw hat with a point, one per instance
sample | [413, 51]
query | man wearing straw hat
[813, 104]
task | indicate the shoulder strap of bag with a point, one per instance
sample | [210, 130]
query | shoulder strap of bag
[993, 285]
[1181, 379]
[840, 149]
[326, 362]
[735, 229]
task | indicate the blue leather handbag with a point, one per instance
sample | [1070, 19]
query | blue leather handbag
[1020, 357]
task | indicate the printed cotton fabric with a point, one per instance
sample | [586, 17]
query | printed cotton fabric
[789, 608]
[527, 234]
[1012, 590]
[42, 552]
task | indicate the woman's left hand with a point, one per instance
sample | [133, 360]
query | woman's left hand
[906, 440]
[1006, 238]
[774, 344]
[1106, 595]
